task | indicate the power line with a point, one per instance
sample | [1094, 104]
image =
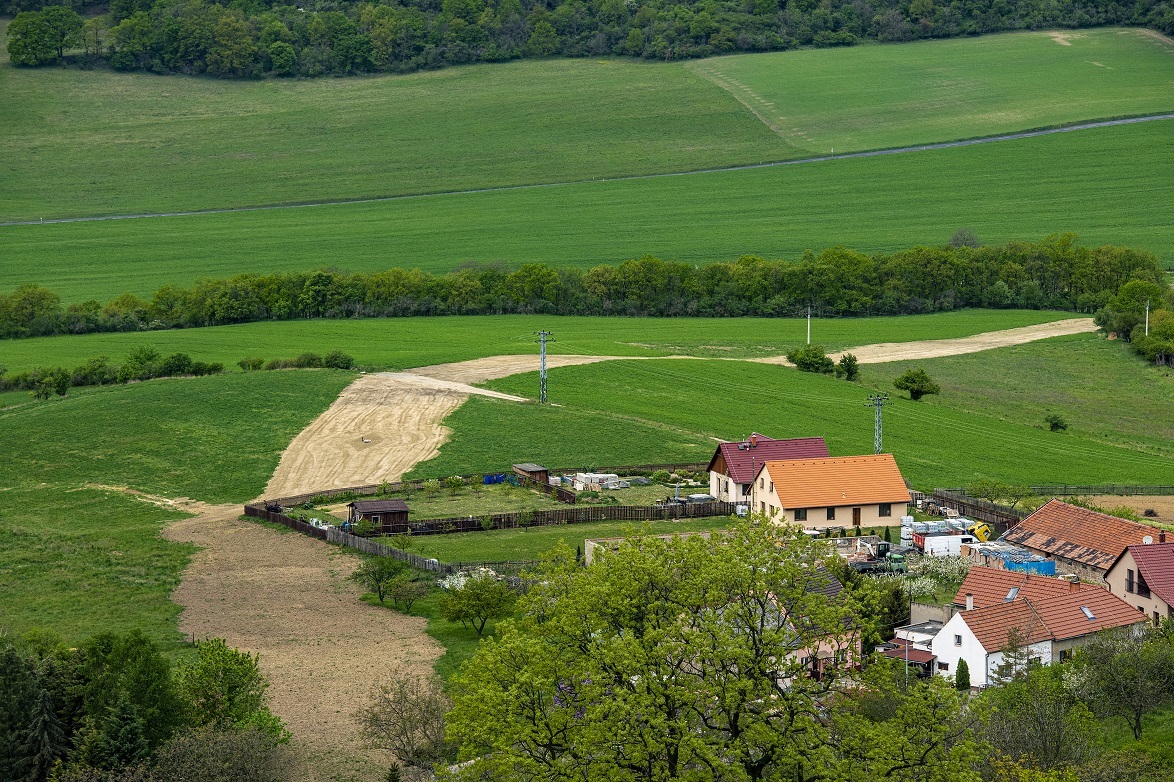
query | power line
[877, 402]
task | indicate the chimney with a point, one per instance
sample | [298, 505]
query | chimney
[1073, 586]
[969, 602]
[754, 441]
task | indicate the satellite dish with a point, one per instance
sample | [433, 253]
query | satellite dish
[1147, 540]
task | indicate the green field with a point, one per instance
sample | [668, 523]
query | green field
[870, 97]
[1022, 189]
[97, 142]
[966, 434]
[402, 343]
[81, 559]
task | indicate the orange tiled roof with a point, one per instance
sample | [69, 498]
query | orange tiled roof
[990, 586]
[1090, 538]
[1064, 618]
[992, 625]
[839, 480]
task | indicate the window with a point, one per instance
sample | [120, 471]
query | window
[1129, 581]
[1143, 589]
[772, 485]
[831, 514]
[1088, 614]
[957, 640]
[374, 519]
[762, 508]
[801, 514]
[885, 509]
[943, 666]
[760, 483]
[841, 656]
[1157, 619]
[1012, 593]
[1065, 655]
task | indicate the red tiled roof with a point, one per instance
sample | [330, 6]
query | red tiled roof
[1156, 565]
[990, 586]
[842, 480]
[992, 626]
[743, 465]
[1090, 538]
[1057, 617]
[912, 654]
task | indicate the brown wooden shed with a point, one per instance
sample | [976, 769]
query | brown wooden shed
[384, 514]
[533, 472]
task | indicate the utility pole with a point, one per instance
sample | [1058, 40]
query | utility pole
[877, 401]
[543, 338]
[808, 324]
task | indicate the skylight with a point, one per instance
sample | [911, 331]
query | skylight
[1087, 613]
[1012, 593]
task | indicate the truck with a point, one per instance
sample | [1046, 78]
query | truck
[941, 544]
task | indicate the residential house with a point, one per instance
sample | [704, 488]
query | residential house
[1143, 576]
[1043, 618]
[1081, 541]
[734, 465]
[832, 492]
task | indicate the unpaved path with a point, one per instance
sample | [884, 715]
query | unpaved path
[285, 596]
[379, 428]
[479, 370]
[937, 348]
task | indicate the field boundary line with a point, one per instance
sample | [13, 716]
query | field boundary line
[726, 83]
[629, 178]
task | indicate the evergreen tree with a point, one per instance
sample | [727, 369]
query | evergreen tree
[46, 738]
[117, 740]
[962, 676]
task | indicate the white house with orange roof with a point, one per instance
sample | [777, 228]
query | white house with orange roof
[836, 491]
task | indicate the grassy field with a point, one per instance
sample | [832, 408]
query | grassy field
[81, 559]
[950, 440]
[1021, 189]
[891, 96]
[533, 542]
[68, 135]
[402, 343]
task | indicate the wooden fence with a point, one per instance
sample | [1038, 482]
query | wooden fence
[259, 512]
[1001, 517]
[1109, 489]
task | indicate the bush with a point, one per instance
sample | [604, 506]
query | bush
[279, 363]
[811, 358]
[848, 368]
[250, 363]
[377, 574]
[1055, 422]
[47, 382]
[210, 755]
[660, 476]
[308, 361]
[477, 600]
[406, 717]
[336, 359]
[918, 383]
[405, 591]
[95, 372]
[200, 368]
[175, 365]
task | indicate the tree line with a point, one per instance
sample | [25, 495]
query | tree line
[249, 38]
[116, 709]
[1056, 273]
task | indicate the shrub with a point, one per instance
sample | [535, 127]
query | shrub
[1055, 422]
[377, 575]
[279, 363]
[848, 368]
[405, 591]
[176, 364]
[210, 755]
[250, 363]
[811, 358]
[336, 359]
[918, 383]
[432, 487]
[47, 382]
[95, 372]
[406, 717]
[454, 484]
[660, 476]
[487, 523]
[308, 361]
[962, 677]
[478, 599]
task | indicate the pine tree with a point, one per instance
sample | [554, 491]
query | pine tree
[118, 740]
[962, 677]
[46, 739]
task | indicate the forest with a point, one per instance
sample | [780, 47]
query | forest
[252, 38]
[1056, 273]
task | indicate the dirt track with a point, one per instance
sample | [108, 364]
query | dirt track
[286, 597]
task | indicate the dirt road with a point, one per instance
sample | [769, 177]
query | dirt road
[285, 596]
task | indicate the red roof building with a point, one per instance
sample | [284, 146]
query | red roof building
[1143, 576]
[986, 586]
[734, 465]
[1082, 541]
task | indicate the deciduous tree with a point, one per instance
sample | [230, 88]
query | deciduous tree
[918, 383]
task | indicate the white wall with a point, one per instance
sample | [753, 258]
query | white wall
[971, 650]
[1040, 649]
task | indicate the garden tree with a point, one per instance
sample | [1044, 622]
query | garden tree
[405, 715]
[454, 484]
[811, 358]
[1015, 657]
[226, 690]
[1038, 721]
[681, 658]
[848, 367]
[481, 597]
[918, 383]
[405, 591]
[962, 676]
[376, 574]
[884, 730]
[1126, 673]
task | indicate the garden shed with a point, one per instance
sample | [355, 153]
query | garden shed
[384, 514]
[533, 472]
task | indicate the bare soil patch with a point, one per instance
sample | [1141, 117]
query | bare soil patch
[1164, 505]
[285, 596]
[493, 367]
[377, 429]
